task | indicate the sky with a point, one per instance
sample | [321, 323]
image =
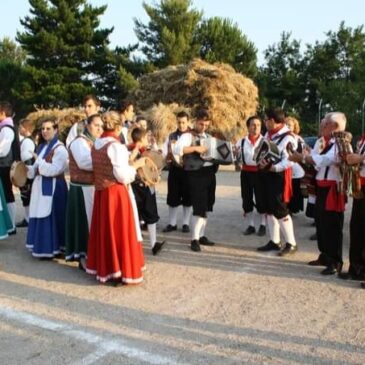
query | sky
[262, 21]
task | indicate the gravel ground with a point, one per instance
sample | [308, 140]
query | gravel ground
[228, 304]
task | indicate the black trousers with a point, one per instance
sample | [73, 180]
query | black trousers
[202, 184]
[146, 202]
[357, 237]
[7, 185]
[274, 189]
[252, 183]
[178, 188]
[329, 230]
[296, 203]
[25, 192]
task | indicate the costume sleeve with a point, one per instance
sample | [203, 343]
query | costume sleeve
[27, 149]
[58, 164]
[72, 134]
[184, 141]
[285, 163]
[119, 158]
[325, 160]
[6, 139]
[165, 148]
[82, 154]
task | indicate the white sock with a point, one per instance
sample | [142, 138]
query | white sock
[274, 228]
[249, 219]
[187, 215]
[197, 223]
[152, 233]
[12, 212]
[202, 230]
[173, 215]
[26, 213]
[263, 219]
[286, 226]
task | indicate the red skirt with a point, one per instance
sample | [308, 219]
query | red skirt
[113, 250]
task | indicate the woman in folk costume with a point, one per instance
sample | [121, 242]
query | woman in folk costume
[115, 241]
[47, 210]
[81, 194]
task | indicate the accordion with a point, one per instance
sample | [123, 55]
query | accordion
[267, 151]
[219, 151]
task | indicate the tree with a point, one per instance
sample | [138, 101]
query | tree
[67, 52]
[221, 40]
[168, 38]
[10, 51]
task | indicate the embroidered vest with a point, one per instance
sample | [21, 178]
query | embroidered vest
[103, 168]
[78, 175]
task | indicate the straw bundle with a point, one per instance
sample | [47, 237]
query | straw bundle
[229, 96]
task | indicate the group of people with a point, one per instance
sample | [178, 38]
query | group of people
[97, 221]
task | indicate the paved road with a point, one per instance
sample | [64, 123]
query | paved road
[226, 305]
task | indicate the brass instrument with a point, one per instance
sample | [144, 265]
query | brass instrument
[351, 181]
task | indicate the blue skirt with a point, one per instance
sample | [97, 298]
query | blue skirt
[46, 236]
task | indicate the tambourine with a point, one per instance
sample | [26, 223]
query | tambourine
[156, 157]
[18, 174]
[149, 173]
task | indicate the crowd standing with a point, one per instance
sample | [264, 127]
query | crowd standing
[97, 218]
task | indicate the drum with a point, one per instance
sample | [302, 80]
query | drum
[267, 151]
[156, 157]
[18, 174]
[149, 173]
[219, 151]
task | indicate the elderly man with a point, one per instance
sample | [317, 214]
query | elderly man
[330, 202]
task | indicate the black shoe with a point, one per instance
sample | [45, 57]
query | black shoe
[289, 249]
[169, 228]
[362, 285]
[270, 246]
[249, 230]
[22, 224]
[143, 227]
[317, 262]
[185, 228]
[313, 237]
[349, 276]
[82, 267]
[195, 246]
[13, 231]
[205, 242]
[332, 269]
[262, 231]
[157, 247]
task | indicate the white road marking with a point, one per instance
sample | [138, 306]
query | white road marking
[105, 346]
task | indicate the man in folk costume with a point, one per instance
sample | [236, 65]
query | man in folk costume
[91, 106]
[9, 152]
[356, 269]
[47, 209]
[252, 185]
[81, 194]
[278, 185]
[177, 186]
[27, 150]
[115, 242]
[145, 195]
[201, 177]
[330, 202]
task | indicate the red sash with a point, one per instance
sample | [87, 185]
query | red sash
[335, 201]
[288, 187]
[250, 168]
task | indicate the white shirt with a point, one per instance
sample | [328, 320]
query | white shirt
[81, 152]
[6, 139]
[27, 148]
[282, 146]
[248, 150]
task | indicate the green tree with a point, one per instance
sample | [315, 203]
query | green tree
[221, 40]
[67, 51]
[10, 51]
[168, 38]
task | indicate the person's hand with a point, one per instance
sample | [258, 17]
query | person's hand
[263, 165]
[201, 149]
[354, 158]
[295, 156]
[35, 156]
